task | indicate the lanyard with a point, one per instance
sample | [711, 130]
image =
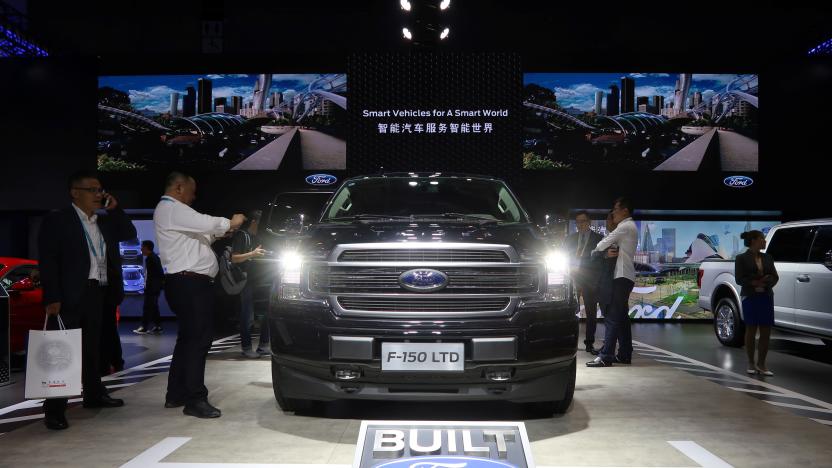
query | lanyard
[89, 242]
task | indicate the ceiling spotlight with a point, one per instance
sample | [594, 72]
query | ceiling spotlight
[405, 5]
[444, 33]
[443, 5]
[407, 34]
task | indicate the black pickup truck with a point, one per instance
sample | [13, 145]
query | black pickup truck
[422, 287]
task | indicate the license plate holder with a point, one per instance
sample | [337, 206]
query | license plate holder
[422, 357]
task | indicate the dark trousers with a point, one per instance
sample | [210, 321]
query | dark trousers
[617, 323]
[591, 308]
[111, 355]
[85, 315]
[150, 311]
[247, 317]
[191, 298]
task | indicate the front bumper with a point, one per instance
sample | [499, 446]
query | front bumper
[536, 345]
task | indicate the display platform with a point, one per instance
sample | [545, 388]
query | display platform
[663, 410]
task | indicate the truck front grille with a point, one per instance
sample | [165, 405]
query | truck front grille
[353, 279]
[410, 305]
[423, 255]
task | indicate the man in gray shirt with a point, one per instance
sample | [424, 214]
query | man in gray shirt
[617, 323]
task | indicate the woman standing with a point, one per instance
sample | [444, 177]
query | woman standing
[757, 276]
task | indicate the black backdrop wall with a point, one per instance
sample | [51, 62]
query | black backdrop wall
[49, 130]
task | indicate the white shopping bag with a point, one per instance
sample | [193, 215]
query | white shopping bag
[53, 363]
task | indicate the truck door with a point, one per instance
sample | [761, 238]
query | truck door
[789, 246]
[813, 293]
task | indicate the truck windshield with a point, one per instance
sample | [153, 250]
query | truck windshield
[398, 198]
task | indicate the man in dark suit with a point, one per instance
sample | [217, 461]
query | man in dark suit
[585, 271]
[80, 269]
[154, 278]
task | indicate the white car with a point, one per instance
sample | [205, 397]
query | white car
[802, 252]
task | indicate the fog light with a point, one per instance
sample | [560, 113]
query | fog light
[290, 292]
[347, 374]
[498, 375]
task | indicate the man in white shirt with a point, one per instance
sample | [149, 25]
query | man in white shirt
[617, 322]
[184, 237]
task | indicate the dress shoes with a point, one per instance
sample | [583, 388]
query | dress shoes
[202, 409]
[598, 362]
[55, 422]
[591, 350]
[174, 404]
[104, 401]
[622, 360]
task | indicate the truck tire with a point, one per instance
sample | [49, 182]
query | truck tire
[547, 408]
[286, 404]
[728, 325]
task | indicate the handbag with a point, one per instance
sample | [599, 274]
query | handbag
[53, 362]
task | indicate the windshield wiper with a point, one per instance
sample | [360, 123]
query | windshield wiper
[368, 216]
[462, 216]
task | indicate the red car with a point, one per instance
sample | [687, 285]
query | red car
[21, 279]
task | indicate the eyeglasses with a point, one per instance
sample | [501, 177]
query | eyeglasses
[92, 190]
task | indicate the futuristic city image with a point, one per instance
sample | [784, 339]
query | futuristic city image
[641, 121]
[222, 121]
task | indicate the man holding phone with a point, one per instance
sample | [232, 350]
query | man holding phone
[80, 270]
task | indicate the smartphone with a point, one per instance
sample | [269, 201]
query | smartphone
[106, 201]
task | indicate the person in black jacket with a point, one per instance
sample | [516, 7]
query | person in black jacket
[154, 279]
[756, 275]
[585, 269]
[80, 269]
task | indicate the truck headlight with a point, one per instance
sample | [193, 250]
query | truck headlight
[557, 276]
[290, 267]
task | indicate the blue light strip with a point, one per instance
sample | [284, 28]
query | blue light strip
[12, 45]
[824, 48]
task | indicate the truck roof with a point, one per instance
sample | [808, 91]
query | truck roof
[805, 222]
[460, 175]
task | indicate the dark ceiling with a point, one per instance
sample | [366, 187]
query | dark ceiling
[749, 32]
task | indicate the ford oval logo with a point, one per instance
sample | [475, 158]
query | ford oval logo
[445, 462]
[423, 280]
[321, 179]
[738, 181]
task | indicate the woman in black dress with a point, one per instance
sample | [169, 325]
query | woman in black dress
[757, 276]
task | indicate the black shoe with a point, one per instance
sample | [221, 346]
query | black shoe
[104, 401]
[598, 362]
[202, 409]
[591, 350]
[264, 350]
[55, 422]
[157, 330]
[622, 361]
[174, 404]
[249, 354]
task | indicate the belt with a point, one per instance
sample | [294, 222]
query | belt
[192, 274]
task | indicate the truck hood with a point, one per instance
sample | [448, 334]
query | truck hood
[526, 238]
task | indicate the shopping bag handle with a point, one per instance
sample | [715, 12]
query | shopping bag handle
[60, 322]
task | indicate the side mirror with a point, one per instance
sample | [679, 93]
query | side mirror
[26, 284]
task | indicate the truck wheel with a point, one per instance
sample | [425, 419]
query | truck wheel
[728, 326]
[547, 408]
[286, 404]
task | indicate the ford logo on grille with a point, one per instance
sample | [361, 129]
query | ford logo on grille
[444, 462]
[321, 179]
[423, 280]
[738, 181]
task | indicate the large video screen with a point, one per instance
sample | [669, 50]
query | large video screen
[222, 122]
[667, 259]
[640, 121]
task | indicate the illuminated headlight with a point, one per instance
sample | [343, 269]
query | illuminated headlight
[290, 266]
[557, 276]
